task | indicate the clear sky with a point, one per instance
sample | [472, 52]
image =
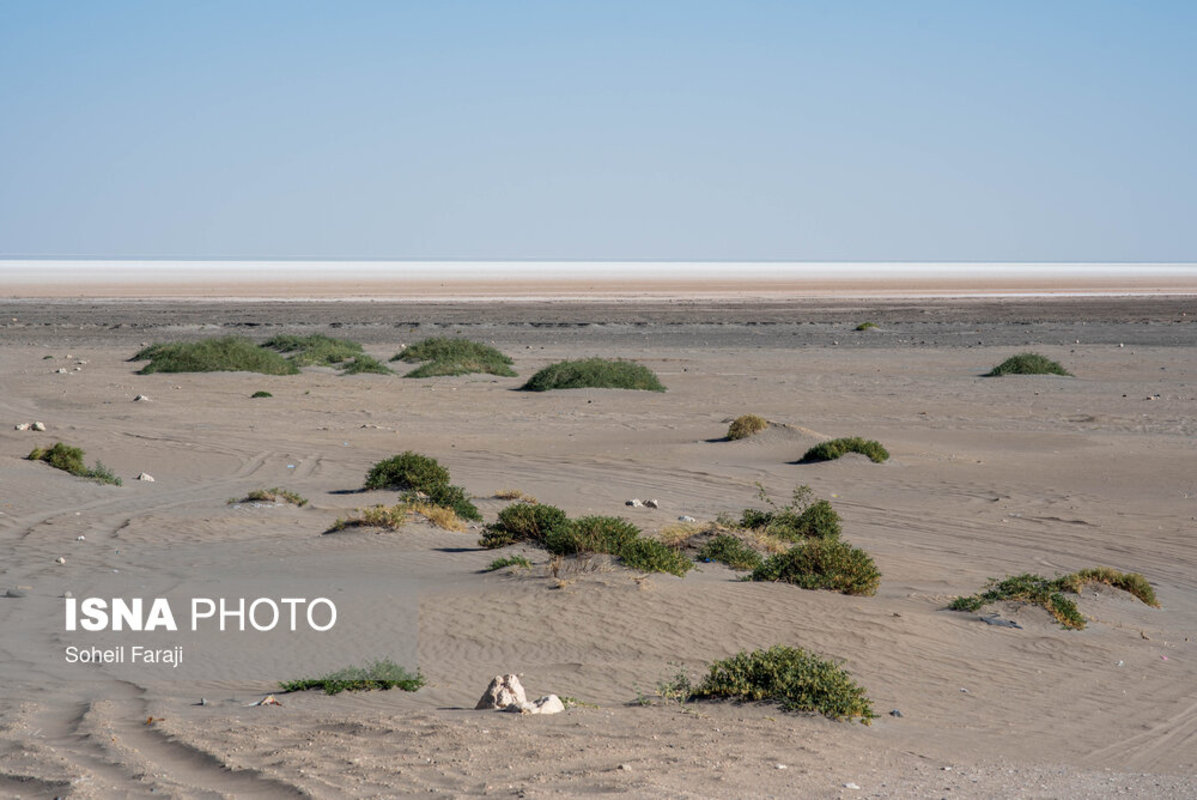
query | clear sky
[1011, 130]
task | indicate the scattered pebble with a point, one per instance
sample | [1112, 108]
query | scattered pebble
[686, 518]
[781, 766]
[626, 767]
[850, 785]
[21, 426]
[60, 560]
[80, 538]
[635, 502]
[651, 504]
[145, 476]
[141, 398]
[61, 371]
[67, 594]
[38, 426]
[895, 713]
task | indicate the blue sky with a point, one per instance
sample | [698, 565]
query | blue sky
[951, 130]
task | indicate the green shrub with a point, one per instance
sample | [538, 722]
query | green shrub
[1027, 364]
[866, 326]
[314, 350]
[223, 354]
[70, 459]
[454, 357]
[1049, 592]
[790, 677]
[591, 535]
[823, 564]
[524, 522]
[745, 426]
[599, 373]
[831, 450]
[408, 470]
[509, 561]
[383, 674]
[729, 550]
[649, 555]
[804, 517]
[259, 394]
[366, 364]
[417, 475]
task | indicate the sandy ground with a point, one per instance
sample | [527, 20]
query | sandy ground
[989, 477]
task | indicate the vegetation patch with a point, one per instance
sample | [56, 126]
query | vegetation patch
[383, 674]
[804, 517]
[833, 449]
[70, 459]
[730, 550]
[421, 478]
[446, 356]
[1049, 592]
[364, 364]
[829, 564]
[259, 394]
[548, 527]
[866, 326]
[594, 373]
[275, 495]
[396, 516]
[509, 561]
[318, 350]
[745, 426]
[223, 354]
[514, 494]
[1027, 364]
[791, 677]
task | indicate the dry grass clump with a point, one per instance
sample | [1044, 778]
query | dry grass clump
[1028, 364]
[1049, 592]
[273, 495]
[508, 561]
[396, 516]
[514, 494]
[745, 426]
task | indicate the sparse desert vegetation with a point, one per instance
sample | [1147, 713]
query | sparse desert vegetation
[791, 677]
[866, 326]
[835, 448]
[830, 564]
[260, 394]
[1028, 364]
[70, 459]
[548, 527]
[730, 550]
[1049, 592]
[594, 373]
[326, 351]
[221, 354]
[744, 426]
[445, 356]
[804, 517]
[508, 561]
[421, 478]
[273, 495]
[382, 674]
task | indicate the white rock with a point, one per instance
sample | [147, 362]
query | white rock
[145, 476]
[140, 398]
[635, 502]
[21, 426]
[651, 504]
[851, 785]
[38, 426]
[504, 691]
[61, 370]
[686, 518]
[549, 704]
[60, 560]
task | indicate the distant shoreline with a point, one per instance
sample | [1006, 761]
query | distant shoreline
[228, 281]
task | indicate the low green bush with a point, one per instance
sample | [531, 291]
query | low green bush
[314, 350]
[415, 475]
[650, 555]
[260, 394]
[524, 522]
[866, 326]
[223, 354]
[445, 356]
[408, 470]
[70, 459]
[591, 535]
[791, 677]
[745, 426]
[272, 495]
[833, 449]
[804, 517]
[509, 561]
[383, 674]
[1027, 364]
[829, 564]
[730, 550]
[362, 364]
[1049, 592]
[597, 373]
